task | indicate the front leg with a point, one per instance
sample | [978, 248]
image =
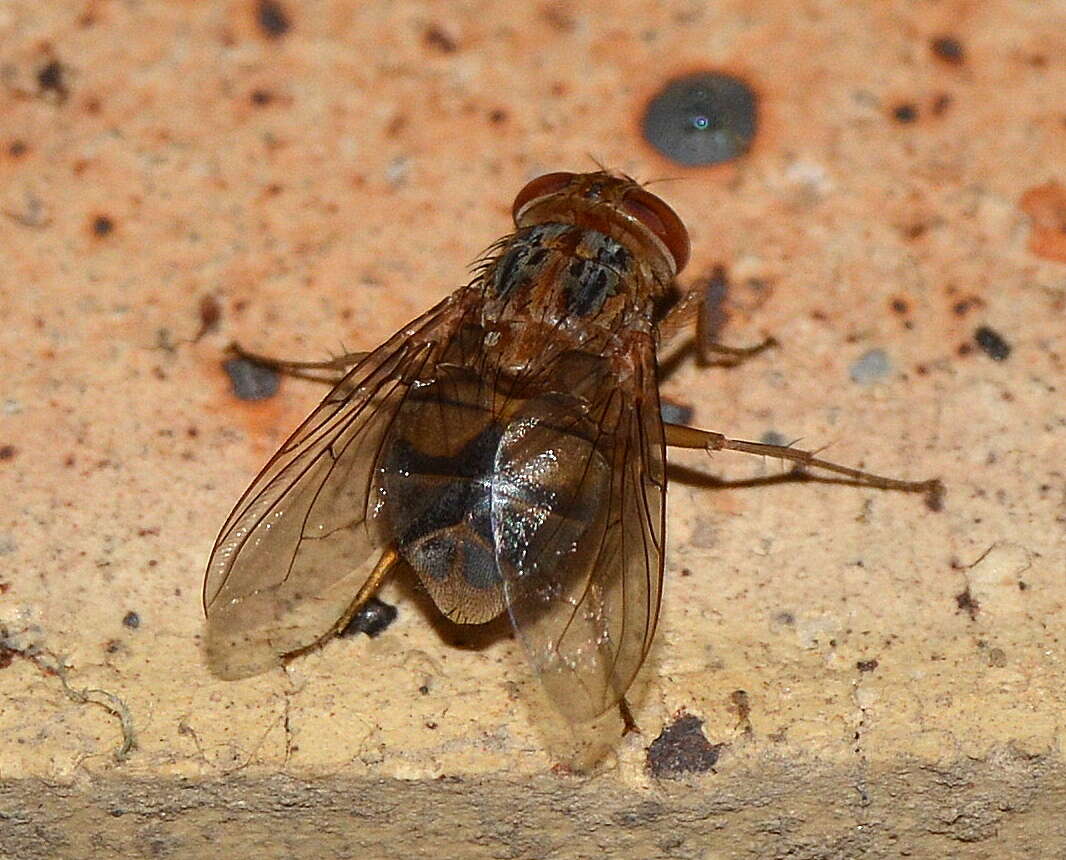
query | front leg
[701, 306]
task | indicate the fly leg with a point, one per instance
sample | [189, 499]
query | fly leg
[711, 319]
[702, 305]
[329, 372]
[373, 582]
[378, 575]
[680, 436]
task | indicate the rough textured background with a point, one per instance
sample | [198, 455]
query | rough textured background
[873, 678]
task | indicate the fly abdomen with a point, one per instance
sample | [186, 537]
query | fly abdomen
[480, 505]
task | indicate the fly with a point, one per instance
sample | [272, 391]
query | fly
[507, 446]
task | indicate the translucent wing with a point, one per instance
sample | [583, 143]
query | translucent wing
[583, 585]
[303, 538]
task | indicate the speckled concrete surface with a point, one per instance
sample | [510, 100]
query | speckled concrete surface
[174, 176]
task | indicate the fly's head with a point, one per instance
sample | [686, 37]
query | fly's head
[616, 206]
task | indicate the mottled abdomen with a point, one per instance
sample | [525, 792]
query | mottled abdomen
[486, 501]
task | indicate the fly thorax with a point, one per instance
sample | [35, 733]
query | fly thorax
[565, 275]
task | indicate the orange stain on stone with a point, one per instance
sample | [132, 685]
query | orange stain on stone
[1046, 205]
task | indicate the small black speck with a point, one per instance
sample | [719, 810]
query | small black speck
[51, 78]
[682, 748]
[8, 452]
[372, 618]
[992, 343]
[905, 113]
[866, 665]
[967, 603]
[131, 620]
[251, 381]
[272, 18]
[210, 314]
[424, 690]
[949, 49]
[941, 103]
[102, 225]
[436, 37]
[702, 119]
[17, 148]
[262, 97]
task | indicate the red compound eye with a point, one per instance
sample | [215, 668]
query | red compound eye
[661, 221]
[542, 186]
[656, 217]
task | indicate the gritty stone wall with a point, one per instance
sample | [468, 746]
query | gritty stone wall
[838, 672]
